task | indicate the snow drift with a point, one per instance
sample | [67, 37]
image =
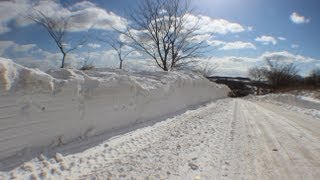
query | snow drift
[299, 101]
[42, 110]
[305, 103]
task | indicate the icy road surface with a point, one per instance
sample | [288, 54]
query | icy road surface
[227, 139]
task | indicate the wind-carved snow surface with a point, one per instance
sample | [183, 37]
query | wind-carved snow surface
[39, 111]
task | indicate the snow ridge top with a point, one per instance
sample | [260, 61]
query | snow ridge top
[14, 78]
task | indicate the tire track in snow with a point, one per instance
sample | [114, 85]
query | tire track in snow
[262, 145]
[281, 151]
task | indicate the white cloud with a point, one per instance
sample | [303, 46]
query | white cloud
[233, 66]
[285, 56]
[305, 64]
[238, 45]
[11, 10]
[295, 46]
[215, 43]
[85, 15]
[4, 27]
[4, 45]
[93, 45]
[266, 40]
[200, 38]
[238, 66]
[282, 38]
[209, 25]
[32, 56]
[23, 48]
[298, 19]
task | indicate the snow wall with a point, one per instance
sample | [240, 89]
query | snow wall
[41, 110]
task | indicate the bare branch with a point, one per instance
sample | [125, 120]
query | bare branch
[159, 30]
[116, 44]
[57, 27]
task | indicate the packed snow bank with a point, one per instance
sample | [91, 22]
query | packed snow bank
[314, 94]
[303, 104]
[300, 101]
[43, 110]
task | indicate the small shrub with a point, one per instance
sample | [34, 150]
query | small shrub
[87, 67]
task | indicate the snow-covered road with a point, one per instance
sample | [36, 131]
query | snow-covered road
[227, 139]
[279, 144]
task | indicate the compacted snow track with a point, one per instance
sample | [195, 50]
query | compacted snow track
[227, 139]
[280, 144]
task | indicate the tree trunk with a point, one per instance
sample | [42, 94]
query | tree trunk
[120, 67]
[165, 68]
[63, 58]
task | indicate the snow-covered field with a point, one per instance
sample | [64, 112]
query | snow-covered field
[43, 111]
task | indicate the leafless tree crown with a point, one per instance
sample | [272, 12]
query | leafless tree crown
[281, 73]
[119, 46]
[159, 29]
[57, 27]
[258, 74]
[277, 74]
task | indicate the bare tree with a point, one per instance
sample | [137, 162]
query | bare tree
[206, 69]
[57, 27]
[119, 46]
[281, 75]
[87, 64]
[209, 69]
[258, 75]
[161, 30]
[315, 73]
[314, 78]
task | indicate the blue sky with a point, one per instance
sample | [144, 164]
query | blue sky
[271, 17]
[245, 32]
